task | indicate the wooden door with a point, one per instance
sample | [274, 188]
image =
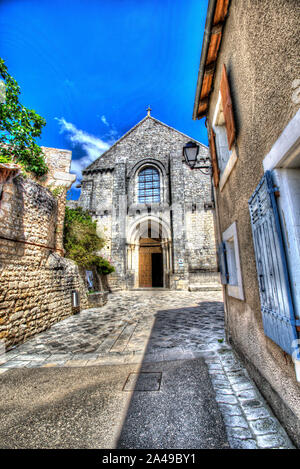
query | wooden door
[145, 268]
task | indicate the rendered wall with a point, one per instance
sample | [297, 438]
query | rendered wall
[260, 49]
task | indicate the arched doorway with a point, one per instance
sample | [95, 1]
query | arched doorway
[149, 253]
[151, 273]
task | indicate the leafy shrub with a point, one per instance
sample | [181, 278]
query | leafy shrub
[57, 191]
[19, 127]
[103, 266]
[81, 241]
[5, 159]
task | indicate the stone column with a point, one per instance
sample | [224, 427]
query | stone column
[166, 263]
[119, 209]
[180, 268]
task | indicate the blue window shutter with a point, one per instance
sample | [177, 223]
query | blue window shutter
[223, 263]
[273, 280]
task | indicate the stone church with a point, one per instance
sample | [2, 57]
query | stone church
[155, 212]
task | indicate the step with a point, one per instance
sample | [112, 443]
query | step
[205, 287]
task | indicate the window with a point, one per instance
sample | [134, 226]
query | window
[223, 150]
[226, 158]
[230, 263]
[279, 274]
[276, 299]
[222, 147]
[149, 186]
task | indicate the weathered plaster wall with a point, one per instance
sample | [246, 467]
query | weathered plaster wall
[35, 281]
[260, 49]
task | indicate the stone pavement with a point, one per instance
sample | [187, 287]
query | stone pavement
[144, 327]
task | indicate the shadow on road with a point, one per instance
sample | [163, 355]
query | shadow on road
[173, 402]
[160, 403]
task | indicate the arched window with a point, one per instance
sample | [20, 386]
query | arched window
[148, 186]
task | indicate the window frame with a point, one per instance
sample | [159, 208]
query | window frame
[219, 122]
[285, 154]
[230, 236]
[138, 182]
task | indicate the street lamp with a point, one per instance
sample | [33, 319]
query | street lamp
[190, 152]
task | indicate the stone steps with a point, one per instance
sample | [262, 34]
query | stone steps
[205, 287]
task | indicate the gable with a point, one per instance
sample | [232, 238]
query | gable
[150, 138]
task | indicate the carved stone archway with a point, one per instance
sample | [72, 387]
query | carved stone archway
[149, 253]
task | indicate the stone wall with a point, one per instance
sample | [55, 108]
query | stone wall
[97, 299]
[36, 282]
[58, 180]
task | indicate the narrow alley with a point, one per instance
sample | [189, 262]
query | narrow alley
[150, 369]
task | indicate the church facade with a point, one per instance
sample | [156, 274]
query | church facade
[155, 212]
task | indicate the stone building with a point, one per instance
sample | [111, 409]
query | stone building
[248, 89]
[155, 212]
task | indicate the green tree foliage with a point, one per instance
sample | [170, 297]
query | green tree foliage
[103, 266]
[81, 241]
[19, 127]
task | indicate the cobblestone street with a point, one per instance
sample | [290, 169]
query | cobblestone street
[142, 327]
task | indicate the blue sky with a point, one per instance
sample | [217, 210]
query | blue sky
[91, 68]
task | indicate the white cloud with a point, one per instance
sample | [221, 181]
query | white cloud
[103, 118]
[112, 134]
[92, 146]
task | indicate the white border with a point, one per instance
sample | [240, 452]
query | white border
[286, 147]
[235, 290]
[228, 168]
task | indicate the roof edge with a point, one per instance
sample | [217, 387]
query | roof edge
[117, 141]
[178, 131]
[217, 12]
[207, 31]
[133, 128]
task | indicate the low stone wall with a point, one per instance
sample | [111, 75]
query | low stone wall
[97, 299]
[204, 281]
[36, 282]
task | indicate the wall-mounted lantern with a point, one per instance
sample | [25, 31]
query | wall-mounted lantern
[190, 153]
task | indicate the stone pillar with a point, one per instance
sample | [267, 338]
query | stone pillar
[85, 199]
[179, 278]
[119, 212]
[136, 265]
[166, 263]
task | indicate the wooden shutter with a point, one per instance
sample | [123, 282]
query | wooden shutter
[214, 161]
[273, 280]
[227, 108]
[223, 263]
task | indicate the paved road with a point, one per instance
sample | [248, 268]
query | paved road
[162, 405]
[148, 370]
[160, 323]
